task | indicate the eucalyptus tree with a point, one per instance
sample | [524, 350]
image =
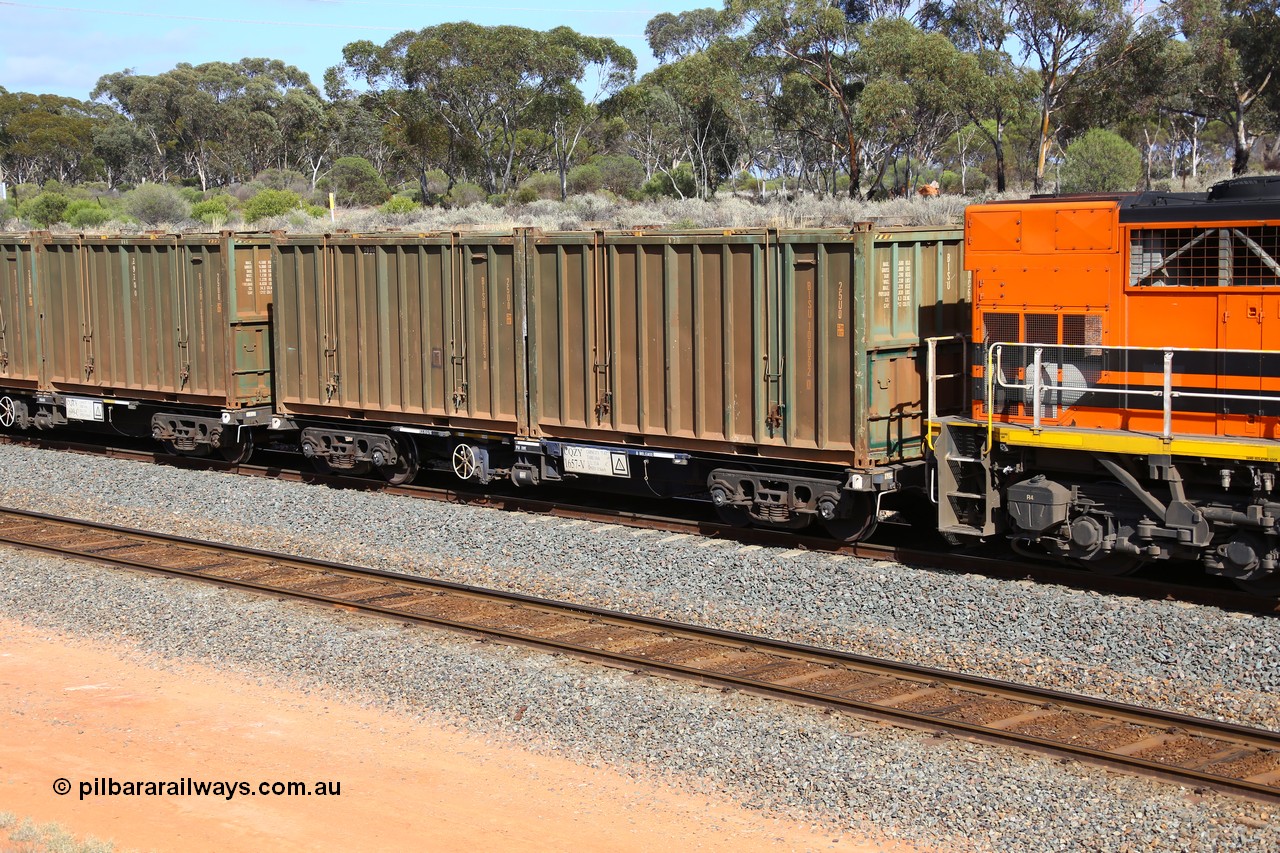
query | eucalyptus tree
[1066, 39]
[217, 119]
[460, 95]
[985, 81]
[45, 137]
[808, 47]
[907, 100]
[1236, 48]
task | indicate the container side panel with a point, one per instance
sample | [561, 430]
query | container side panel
[709, 294]
[653, 364]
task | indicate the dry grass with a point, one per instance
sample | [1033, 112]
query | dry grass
[29, 837]
[605, 212]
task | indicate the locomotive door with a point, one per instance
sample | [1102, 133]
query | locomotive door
[1240, 325]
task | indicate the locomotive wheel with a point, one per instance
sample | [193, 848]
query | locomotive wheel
[1114, 565]
[1266, 587]
[464, 462]
[861, 525]
[8, 412]
[406, 465]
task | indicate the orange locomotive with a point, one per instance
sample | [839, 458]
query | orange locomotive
[1125, 381]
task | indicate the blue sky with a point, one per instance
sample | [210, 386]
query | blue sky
[63, 48]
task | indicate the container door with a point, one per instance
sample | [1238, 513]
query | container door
[19, 352]
[250, 334]
[65, 324]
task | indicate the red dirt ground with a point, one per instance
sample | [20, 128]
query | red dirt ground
[77, 709]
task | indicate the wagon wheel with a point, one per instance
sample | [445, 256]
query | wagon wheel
[8, 412]
[405, 467]
[464, 461]
[238, 451]
[734, 516]
[858, 526]
[1114, 565]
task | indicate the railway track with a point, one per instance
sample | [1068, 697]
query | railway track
[1138, 586]
[1197, 752]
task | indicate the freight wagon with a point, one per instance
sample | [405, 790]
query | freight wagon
[160, 335]
[778, 373]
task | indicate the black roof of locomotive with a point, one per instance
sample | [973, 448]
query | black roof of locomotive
[1239, 198]
[1255, 197]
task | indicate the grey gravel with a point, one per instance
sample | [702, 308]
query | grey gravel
[834, 771]
[1192, 659]
[830, 769]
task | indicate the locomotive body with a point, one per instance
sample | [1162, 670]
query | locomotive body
[1125, 381]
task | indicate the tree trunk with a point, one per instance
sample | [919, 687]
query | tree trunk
[1000, 167]
[1240, 164]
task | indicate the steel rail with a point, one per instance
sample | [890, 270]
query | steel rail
[1199, 752]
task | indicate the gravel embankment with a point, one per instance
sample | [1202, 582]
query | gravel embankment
[832, 769]
[837, 772]
[1192, 659]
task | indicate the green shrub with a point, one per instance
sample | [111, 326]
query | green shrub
[270, 203]
[282, 179]
[543, 185]
[399, 205]
[83, 213]
[44, 209]
[152, 204]
[213, 211]
[1100, 162]
[315, 211]
[464, 194]
[526, 195]
[585, 179]
[678, 182]
[355, 182]
[619, 174]
[437, 186]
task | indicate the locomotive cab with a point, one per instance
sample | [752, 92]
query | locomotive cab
[1125, 381]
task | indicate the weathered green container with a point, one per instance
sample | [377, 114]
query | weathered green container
[412, 329]
[161, 317]
[19, 314]
[802, 345]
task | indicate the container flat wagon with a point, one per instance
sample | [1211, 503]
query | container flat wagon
[160, 335]
[389, 346]
[778, 372]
